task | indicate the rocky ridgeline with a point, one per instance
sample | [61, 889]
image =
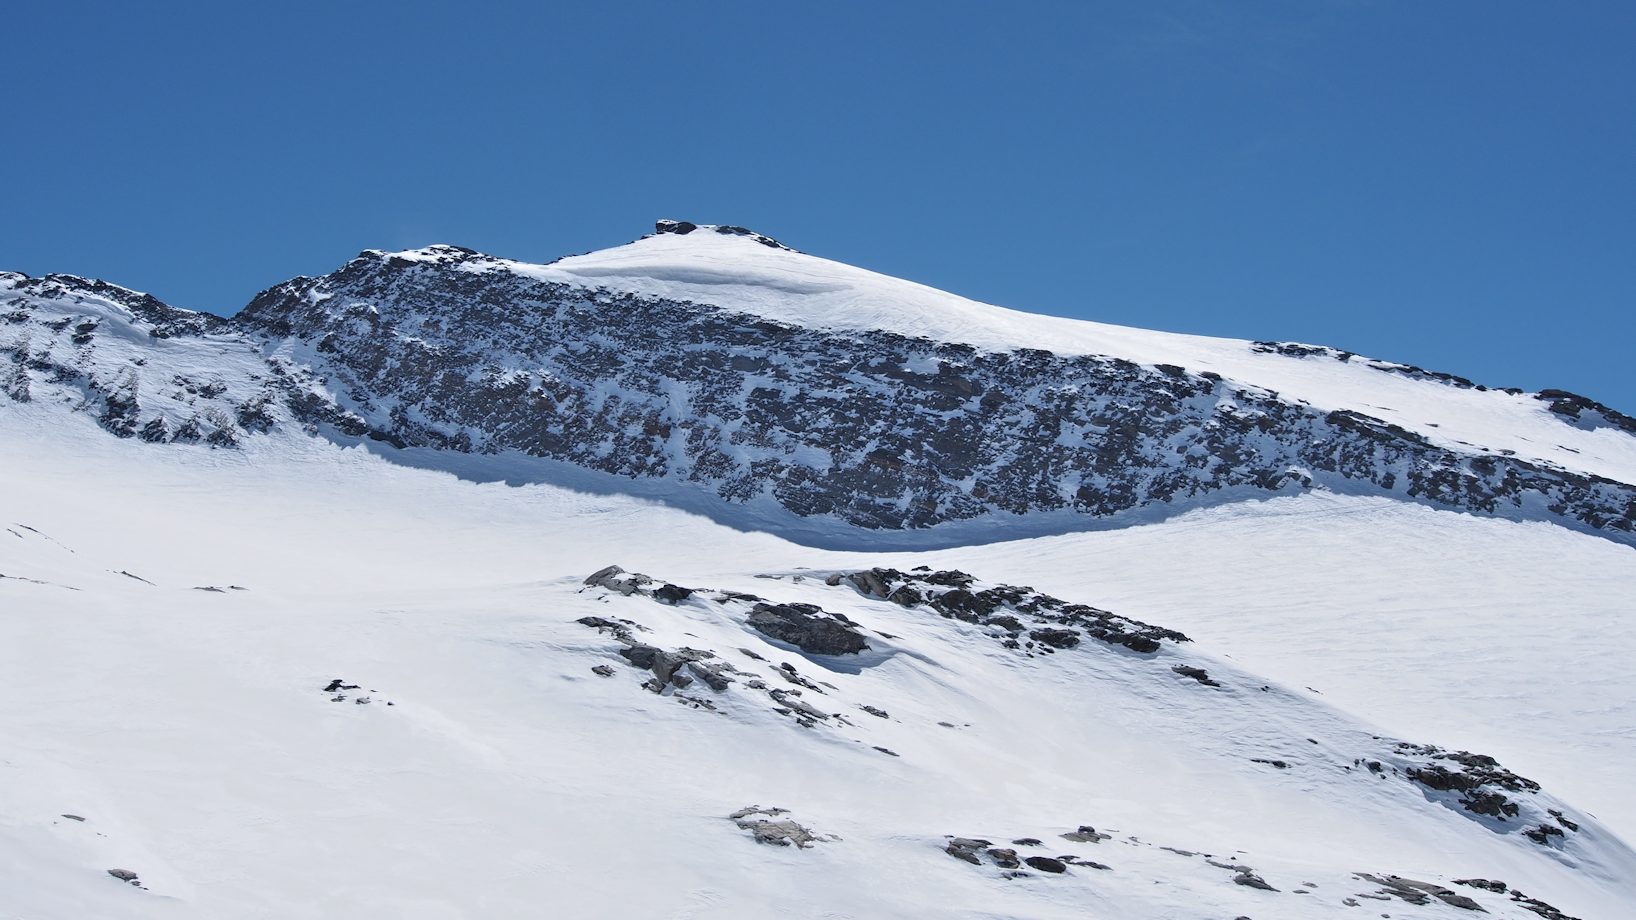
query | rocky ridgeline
[1021, 618]
[1575, 409]
[454, 350]
[880, 430]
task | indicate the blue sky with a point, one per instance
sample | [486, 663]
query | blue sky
[1450, 184]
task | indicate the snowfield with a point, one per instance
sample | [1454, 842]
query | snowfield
[191, 731]
[260, 657]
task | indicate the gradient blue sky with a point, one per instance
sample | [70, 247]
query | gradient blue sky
[1450, 184]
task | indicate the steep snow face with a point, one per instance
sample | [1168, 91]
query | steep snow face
[175, 621]
[737, 273]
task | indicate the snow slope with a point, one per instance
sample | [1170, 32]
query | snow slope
[189, 728]
[1511, 639]
[279, 669]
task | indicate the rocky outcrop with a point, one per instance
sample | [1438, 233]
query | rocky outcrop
[808, 628]
[1535, 905]
[1021, 618]
[766, 825]
[1479, 785]
[1420, 893]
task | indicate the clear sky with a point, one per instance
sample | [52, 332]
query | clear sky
[1450, 183]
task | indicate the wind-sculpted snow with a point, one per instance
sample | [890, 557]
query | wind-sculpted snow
[445, 348]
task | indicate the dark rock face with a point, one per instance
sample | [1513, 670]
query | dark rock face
[1047, 864]
[808, 628]
[672, 594]
[454, 351]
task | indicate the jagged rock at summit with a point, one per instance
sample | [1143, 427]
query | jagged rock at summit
[450, 349]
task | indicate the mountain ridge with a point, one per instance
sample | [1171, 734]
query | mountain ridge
[450, 349]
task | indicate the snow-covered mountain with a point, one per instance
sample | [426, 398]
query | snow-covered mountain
[948, 610]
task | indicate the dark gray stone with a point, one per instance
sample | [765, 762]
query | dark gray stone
[1047, 864]
[808, 628]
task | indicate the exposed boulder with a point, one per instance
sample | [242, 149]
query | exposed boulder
[808, 628]
[618, 580]
[714, 676]
[967, 848]
[1004, 858]
[672, 594]
[775, 830]
[1198, 674]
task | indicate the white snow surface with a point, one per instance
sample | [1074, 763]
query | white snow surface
[188, 729]
[739, 274]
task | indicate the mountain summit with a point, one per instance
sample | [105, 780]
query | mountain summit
[713, 366]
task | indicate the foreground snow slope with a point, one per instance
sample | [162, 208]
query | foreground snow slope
[189, 728]
[1511, 639]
